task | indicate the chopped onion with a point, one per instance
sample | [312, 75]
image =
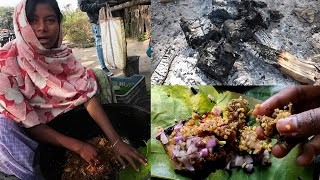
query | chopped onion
[239, 161]
[248, 159]
[178, 126]
[216, 110]
[200, 144]
[185, 161]
[158, 135]
[211, 143]
[192, 149]
[249, 167]
[194, 156]
[266, 158]
[177, 139]
[228, 165]
[204, 152]
[163, 138]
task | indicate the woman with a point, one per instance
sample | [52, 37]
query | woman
[39, 80]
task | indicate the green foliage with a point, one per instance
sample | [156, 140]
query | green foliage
[77, 28]
[6, 21]
[143, 37]
[130, 174]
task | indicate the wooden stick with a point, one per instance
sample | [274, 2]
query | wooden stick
[301, 71]
[130, 4]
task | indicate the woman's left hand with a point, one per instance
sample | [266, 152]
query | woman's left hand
[130, 154]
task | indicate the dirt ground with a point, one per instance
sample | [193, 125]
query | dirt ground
[88, 58]
[290, 34]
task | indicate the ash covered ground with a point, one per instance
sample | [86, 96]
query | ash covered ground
[174, 62]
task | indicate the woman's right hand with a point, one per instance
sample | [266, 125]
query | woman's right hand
[89, 153]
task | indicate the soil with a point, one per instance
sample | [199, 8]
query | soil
[297, 35]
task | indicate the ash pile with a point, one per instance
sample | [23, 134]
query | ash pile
[230, 45]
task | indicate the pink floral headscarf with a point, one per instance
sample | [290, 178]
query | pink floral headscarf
[38, 84]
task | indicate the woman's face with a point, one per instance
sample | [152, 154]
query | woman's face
[45, 25]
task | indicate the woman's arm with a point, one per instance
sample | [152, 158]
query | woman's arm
[121, 149]
[44, 133]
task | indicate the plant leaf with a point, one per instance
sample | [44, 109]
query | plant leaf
[130, 174]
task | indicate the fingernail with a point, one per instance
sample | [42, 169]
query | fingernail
[288, 125]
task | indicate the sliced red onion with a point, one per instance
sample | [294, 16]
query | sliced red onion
[228, 165]
[248, 159]
[178, 126]
[239, 161]
[210, 150]
[185, 161]
[177, 139]
[211, 143]
[204, 152]
[158, 135]
[194, 156]
[232, 162]
[175, 152]
[192, 149]
[180, 143]
[188, 142]
[266, 158]
[216, 110]
[249, 167]
[163, 138]
[200, 144]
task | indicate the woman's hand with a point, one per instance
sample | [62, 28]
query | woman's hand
[303, 124]
[89, 153]
[123, 152]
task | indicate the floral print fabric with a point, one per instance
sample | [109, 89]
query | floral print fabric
[38, 84]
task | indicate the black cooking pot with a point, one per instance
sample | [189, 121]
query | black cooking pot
[130, 121]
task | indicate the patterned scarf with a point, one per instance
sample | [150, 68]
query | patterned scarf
[38, 84]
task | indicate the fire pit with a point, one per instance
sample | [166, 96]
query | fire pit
[234, 42]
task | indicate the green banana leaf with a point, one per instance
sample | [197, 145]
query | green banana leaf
[172, 103]
[130, 174]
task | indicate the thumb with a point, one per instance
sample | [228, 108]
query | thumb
[300, 125]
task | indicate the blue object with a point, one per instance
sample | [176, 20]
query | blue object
[149, 49]
[97, 37]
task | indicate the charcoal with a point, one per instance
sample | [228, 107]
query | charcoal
[260, 18]
[237, 30]
[221, 14]
[199, 31]
[275, 16]
[259, 4]
[217, 59]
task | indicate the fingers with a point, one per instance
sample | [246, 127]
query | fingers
[131, 162]
[260, 133]
[281, 149]
[279, 100]
[310, 150]
[304, 124]
[121, 161]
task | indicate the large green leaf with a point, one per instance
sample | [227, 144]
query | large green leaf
[284, 168]
[170, 103]
[130, 174]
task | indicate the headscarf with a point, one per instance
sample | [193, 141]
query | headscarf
[38, 84]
